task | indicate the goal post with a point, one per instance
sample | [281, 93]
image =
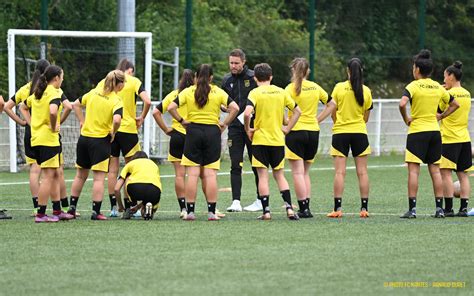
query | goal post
[12, 33]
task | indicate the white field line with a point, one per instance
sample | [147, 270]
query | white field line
[243, 172]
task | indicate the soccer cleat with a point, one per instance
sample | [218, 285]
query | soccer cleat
[463, 213]
[114, 212]
[235, 206]
[335, 214]
[449, 214]
[410, 214]
[137, 214]
[72, 211]
[127, 214]
[98, 217]
[439, 213]
[471, 212]
[219, 214]
[46, 219]
[364, 214]
[266, 216]
[190, 217]
[212, 217]
[305, 214]
[183, 213]
[63, 216]
[254, 207]
[290, 214]
[148, 211]
[4, 215]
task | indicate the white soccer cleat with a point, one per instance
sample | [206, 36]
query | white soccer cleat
[235, 206]
[471, 212]
[148, 211]
[254, 207]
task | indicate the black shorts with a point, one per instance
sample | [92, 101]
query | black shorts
[126, 143]
[268, 156]
[175, 152]
[202, 146]
[29, 151]
[145, 192]
[424, 147]
[48, 157]
[358, 143]
[456, 156]
[302, 145]
[93, 153]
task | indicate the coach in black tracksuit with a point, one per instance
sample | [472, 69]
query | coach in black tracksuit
[238, 83]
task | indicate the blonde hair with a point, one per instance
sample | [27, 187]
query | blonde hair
[113, 79]
[299, 71]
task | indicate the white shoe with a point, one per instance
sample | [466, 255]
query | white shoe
[183, 213]
[471, 212]
[148, 211]
[235, 206]
[256, 206]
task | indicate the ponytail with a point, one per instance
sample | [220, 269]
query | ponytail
[203, 75]
[49, 74]
[113, 79]
[187, 79]
[299, 71]
[40, 67]
[357, 79]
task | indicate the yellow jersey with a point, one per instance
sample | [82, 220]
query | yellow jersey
[454, 128]
[307, 100]
[425, 96]
[141, 170]
[41, 133]
[349, 115]
[100, 110]
[182, 110]
[209, 113]
[269, 102]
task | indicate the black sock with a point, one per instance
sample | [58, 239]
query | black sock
[464, 203]
[448, 204]
[211, 207]
[113, 201]
[64, 202]
[307, 202]
[286, 196]
[337, 204]
[412, 203]
[182, 203]
[41, 210]
[265, 199]
[190, 207]
[96, 206]
[35, 201]
[73, 201]
[56, 206]
[126, 203]
[439, 202]
[302, 205]
[364, 203]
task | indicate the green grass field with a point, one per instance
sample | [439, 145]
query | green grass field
[240, 255]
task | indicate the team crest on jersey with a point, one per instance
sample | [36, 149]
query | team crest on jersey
[247, 83]
[231, 85]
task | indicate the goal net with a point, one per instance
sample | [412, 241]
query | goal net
[86, 58]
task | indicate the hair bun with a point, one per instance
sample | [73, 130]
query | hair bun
[457, 64]
[425, 54]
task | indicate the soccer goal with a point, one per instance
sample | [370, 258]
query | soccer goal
[86, 57]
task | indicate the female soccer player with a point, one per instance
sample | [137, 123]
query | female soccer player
[126, 139]
[177, 135]
[352, 101]
[202, 148]
[424, 138]
[302, 140]
[142, 178]
[45, 141]
[102, 121]
[456, 154]
[268, 136]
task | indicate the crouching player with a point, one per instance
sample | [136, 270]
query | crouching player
[141, 177]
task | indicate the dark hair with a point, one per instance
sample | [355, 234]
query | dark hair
[49, 74]
[124, 65]
[456, 70]
[40, 67]
[187, 79]
[203, 75]
[237, 53]
[356, 79]
[299, 71]
[424, 62]
[263, 72]
[139, 154]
